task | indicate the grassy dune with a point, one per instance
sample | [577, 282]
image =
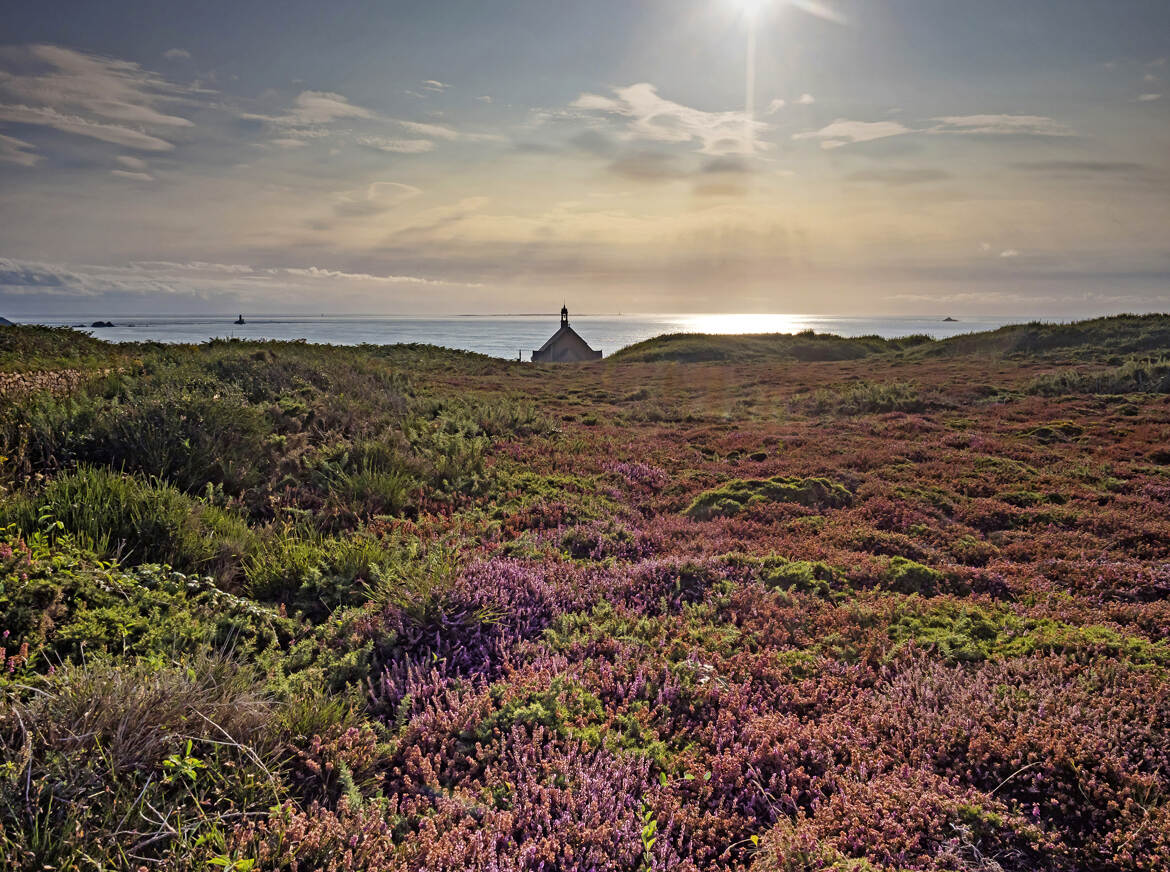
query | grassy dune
[718, 603]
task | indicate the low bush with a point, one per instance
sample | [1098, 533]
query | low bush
[865, 397]
[1138, 375]
[909, 576]
[137, 521]
[128, 764]
[61, 605]
[736, 495]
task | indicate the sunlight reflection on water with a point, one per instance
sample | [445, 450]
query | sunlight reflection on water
[736, 323]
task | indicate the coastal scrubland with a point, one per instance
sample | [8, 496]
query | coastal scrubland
[718, 603]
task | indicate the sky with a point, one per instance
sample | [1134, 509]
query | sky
[862, 157]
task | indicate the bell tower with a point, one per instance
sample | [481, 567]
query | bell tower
[564, 316]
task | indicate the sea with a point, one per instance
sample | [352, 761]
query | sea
[505, 336]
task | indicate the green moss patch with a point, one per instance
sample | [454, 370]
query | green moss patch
[733, 497]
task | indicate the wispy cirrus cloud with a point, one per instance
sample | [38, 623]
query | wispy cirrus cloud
[432, 131]
[316, 108]
[844, 131]
[398, 146]
[373, 199]
[17, 151]
[1000, 125]
[314, 113]
[77, 125]
[649, 116]
[84, 94]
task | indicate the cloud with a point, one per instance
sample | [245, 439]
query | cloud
[652, 117]
[775, 106]
[288, 142]
[727, 164]
[484, 99]
[373, 199]
[312, 108]
[1148, 98]
[720, 189]
[177, 54]
[845, 132]
[647, 166]
[1000, 125]
[128, 174]
[88, 95]
[17, 151]
[134, 163]
[107, 89]
[78, 126]
[1009, 253]
[435, 86]
[398, 146]
[1082, 167]
[594, 142]
[900, 177]
[432, 131]
[806, 99]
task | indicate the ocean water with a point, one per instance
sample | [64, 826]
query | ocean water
[504, 336]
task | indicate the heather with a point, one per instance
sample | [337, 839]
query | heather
[280, 606]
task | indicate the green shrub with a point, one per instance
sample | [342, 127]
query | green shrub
[65, 605]
[780, 573]
[738, 494]
[28, 348]
[129, 764]
[314, 574]
[140, 521]
[1054, 431]
[867, 397]
[963, 632]
[191, 433]
[909, 576]
[1138, 375]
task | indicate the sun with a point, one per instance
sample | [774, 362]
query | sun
[751, 8]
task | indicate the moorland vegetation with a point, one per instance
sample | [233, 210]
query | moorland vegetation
[719, 603]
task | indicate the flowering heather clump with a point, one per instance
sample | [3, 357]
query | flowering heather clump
[643, 474]
[897, 628]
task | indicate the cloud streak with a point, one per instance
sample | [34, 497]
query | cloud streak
[88, 95]
[844, 131]
[648, 116]
[17, 151]
[77, 126]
